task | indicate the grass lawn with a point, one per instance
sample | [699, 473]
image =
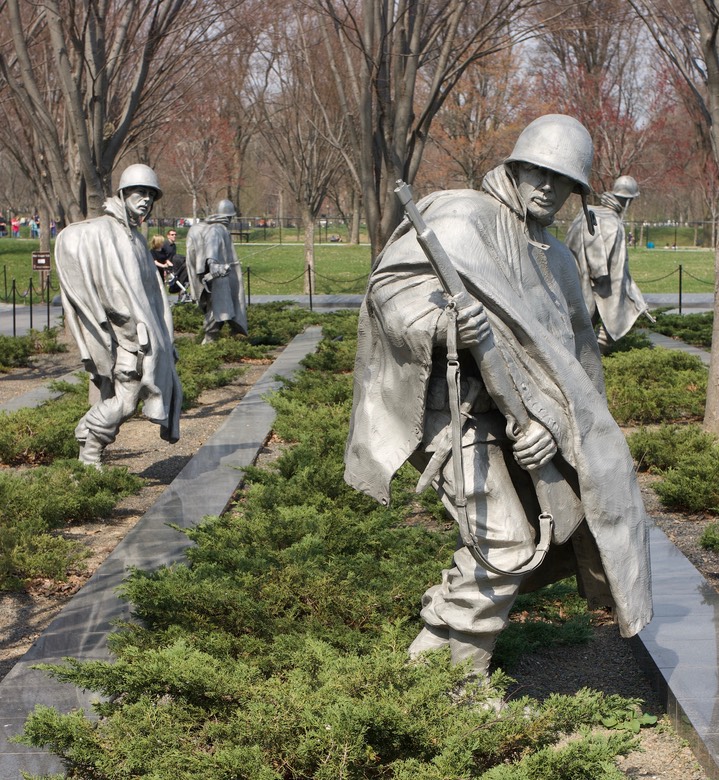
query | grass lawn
[278, 269]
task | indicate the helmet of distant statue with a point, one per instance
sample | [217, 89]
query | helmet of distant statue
[139, 175]
[226, 208]
[558, 143]
[626, 187]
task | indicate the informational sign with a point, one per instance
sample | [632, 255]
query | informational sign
[40, 261]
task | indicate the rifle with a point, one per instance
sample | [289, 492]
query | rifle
[561, 507]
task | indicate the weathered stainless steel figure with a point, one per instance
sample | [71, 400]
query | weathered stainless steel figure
[612, 297]
[531, 334]
[215, 273]
[118, 313]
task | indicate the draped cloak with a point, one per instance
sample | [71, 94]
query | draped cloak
[603, 264]
[211, 241]
[486, 237]
[109, 285]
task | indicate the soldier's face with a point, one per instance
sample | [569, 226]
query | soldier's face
[543, 192]
[138, 202]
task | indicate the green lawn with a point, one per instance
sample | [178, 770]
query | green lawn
[277, 269]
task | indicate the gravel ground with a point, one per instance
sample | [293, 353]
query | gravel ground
[606, 663]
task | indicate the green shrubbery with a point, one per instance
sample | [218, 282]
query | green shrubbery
[695, 329]
[655, 385]
[42, 434]
[34, 503]
[278, 652]
[16, 351]
[688, 460]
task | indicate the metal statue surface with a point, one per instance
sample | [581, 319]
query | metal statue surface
[215, 273]
[612, 297]
[117, 310]
[438, 379]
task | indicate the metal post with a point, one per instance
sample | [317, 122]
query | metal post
[46, 277]
[30, 291]
[248, 285]
[309, 283]
[680, 288]
[14, 309]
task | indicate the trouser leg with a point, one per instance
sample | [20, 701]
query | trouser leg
[604, 340]
[118, 402]
[471, 605]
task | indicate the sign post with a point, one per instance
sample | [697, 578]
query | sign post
[41, 263]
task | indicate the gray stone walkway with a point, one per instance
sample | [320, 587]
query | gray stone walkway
[204, 487]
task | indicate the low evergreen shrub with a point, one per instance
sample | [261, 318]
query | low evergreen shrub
[709, 539]
[693, 485]
[655, 385]
[666, 447]
[695, 329]
[688, 460]
[16, 351]
[39, 435]
[278, 651]
[36, 502]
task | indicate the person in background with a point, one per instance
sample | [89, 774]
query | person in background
[157, 250]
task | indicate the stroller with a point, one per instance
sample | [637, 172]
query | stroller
[178, 280]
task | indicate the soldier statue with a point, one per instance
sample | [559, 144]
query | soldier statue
[117, 310]
[429, 388]
[215, 273]
[612, 297]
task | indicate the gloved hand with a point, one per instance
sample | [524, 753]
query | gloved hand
[218, 269]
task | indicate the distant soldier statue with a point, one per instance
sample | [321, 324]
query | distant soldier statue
[117, 310]
[495, 393]
[613, 299]
[215, 273]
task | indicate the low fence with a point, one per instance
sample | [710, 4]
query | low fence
[350, 285]
[31, 307]
[680, 272]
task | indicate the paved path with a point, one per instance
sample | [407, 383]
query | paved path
[204, 487]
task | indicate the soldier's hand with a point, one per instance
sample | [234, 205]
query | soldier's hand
[218, 269]
[472, 325]
[534, 447]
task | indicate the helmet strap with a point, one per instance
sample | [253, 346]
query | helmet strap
[589, 215]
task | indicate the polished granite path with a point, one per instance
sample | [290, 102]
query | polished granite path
[204, 487]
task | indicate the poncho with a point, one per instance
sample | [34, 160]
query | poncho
[109, 285]
[485, 235]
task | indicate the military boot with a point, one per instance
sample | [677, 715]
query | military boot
[91, 451]
[476, 647]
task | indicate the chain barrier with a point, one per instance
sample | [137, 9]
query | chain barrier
[29, 303]
[312, 276]
[697, 279]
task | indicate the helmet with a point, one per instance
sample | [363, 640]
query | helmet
[559, 143]
[226, 208]
[139, 175]
[626, 187]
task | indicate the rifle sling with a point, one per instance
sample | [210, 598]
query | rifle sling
[546, 520]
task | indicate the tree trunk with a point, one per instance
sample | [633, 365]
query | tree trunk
[309, 225]
[356, 217]
[711, 411]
